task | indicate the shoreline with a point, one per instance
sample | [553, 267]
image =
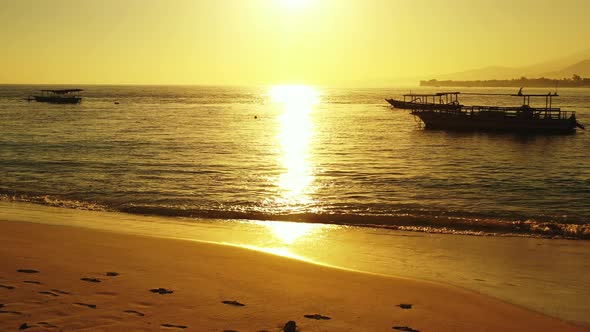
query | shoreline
[486, 265]
[274, 289]
[429, 224]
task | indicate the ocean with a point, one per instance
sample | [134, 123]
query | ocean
[293, 153]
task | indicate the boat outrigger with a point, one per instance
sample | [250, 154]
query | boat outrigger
[64, 96]
[443, 111]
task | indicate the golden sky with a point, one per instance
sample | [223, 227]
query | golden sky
[235, 42]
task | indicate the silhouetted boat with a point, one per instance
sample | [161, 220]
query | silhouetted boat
[449, 114]
[64, 96]
[441, 101]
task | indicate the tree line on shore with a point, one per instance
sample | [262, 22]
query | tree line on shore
[576, 81]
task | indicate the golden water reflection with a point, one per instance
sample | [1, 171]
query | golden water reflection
[286, 239]
[287, 233]
[296, 132]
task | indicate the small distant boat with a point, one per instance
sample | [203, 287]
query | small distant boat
[443, 111]
[63, 96]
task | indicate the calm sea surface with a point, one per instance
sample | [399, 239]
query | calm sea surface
[292, 153]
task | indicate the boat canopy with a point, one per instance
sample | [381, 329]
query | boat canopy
[438, 94]
[62, 91]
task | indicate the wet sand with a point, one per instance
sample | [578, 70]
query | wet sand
[55, 277]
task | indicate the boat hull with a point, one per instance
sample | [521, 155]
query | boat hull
[58, 100]
[482, 122]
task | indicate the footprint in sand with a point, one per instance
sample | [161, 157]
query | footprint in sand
[230, 331]
[404, 329]
[10, 312]
[161, 291]
[405, 306]
[48, 293]
[60, 292]
[32, 282]
[95, 280]
[47, 325]
[7, 286]
[112, 274]
[27, 271]
[92, 306]
[317, 316]
[234, 303]
[134, 312]
[173, 326]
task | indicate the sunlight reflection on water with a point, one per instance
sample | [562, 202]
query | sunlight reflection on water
[296, 132]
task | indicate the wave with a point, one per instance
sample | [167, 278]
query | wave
[417, 222]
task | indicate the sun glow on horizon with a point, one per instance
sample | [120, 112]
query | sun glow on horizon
[292, 4]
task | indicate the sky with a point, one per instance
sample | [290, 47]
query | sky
[259, 42]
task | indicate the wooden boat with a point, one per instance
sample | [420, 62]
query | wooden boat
[64, 96]
[525, 119]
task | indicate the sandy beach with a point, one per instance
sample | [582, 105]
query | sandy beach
[66, 278]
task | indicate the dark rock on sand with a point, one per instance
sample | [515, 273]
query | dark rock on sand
[161, 291]
[234, 303]
[317, 316]
[290, 326]
[24, 326]
[27, 271]
[405, 306]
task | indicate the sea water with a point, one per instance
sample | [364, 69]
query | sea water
[293, 153]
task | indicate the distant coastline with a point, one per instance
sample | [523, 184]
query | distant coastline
[574, 82]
